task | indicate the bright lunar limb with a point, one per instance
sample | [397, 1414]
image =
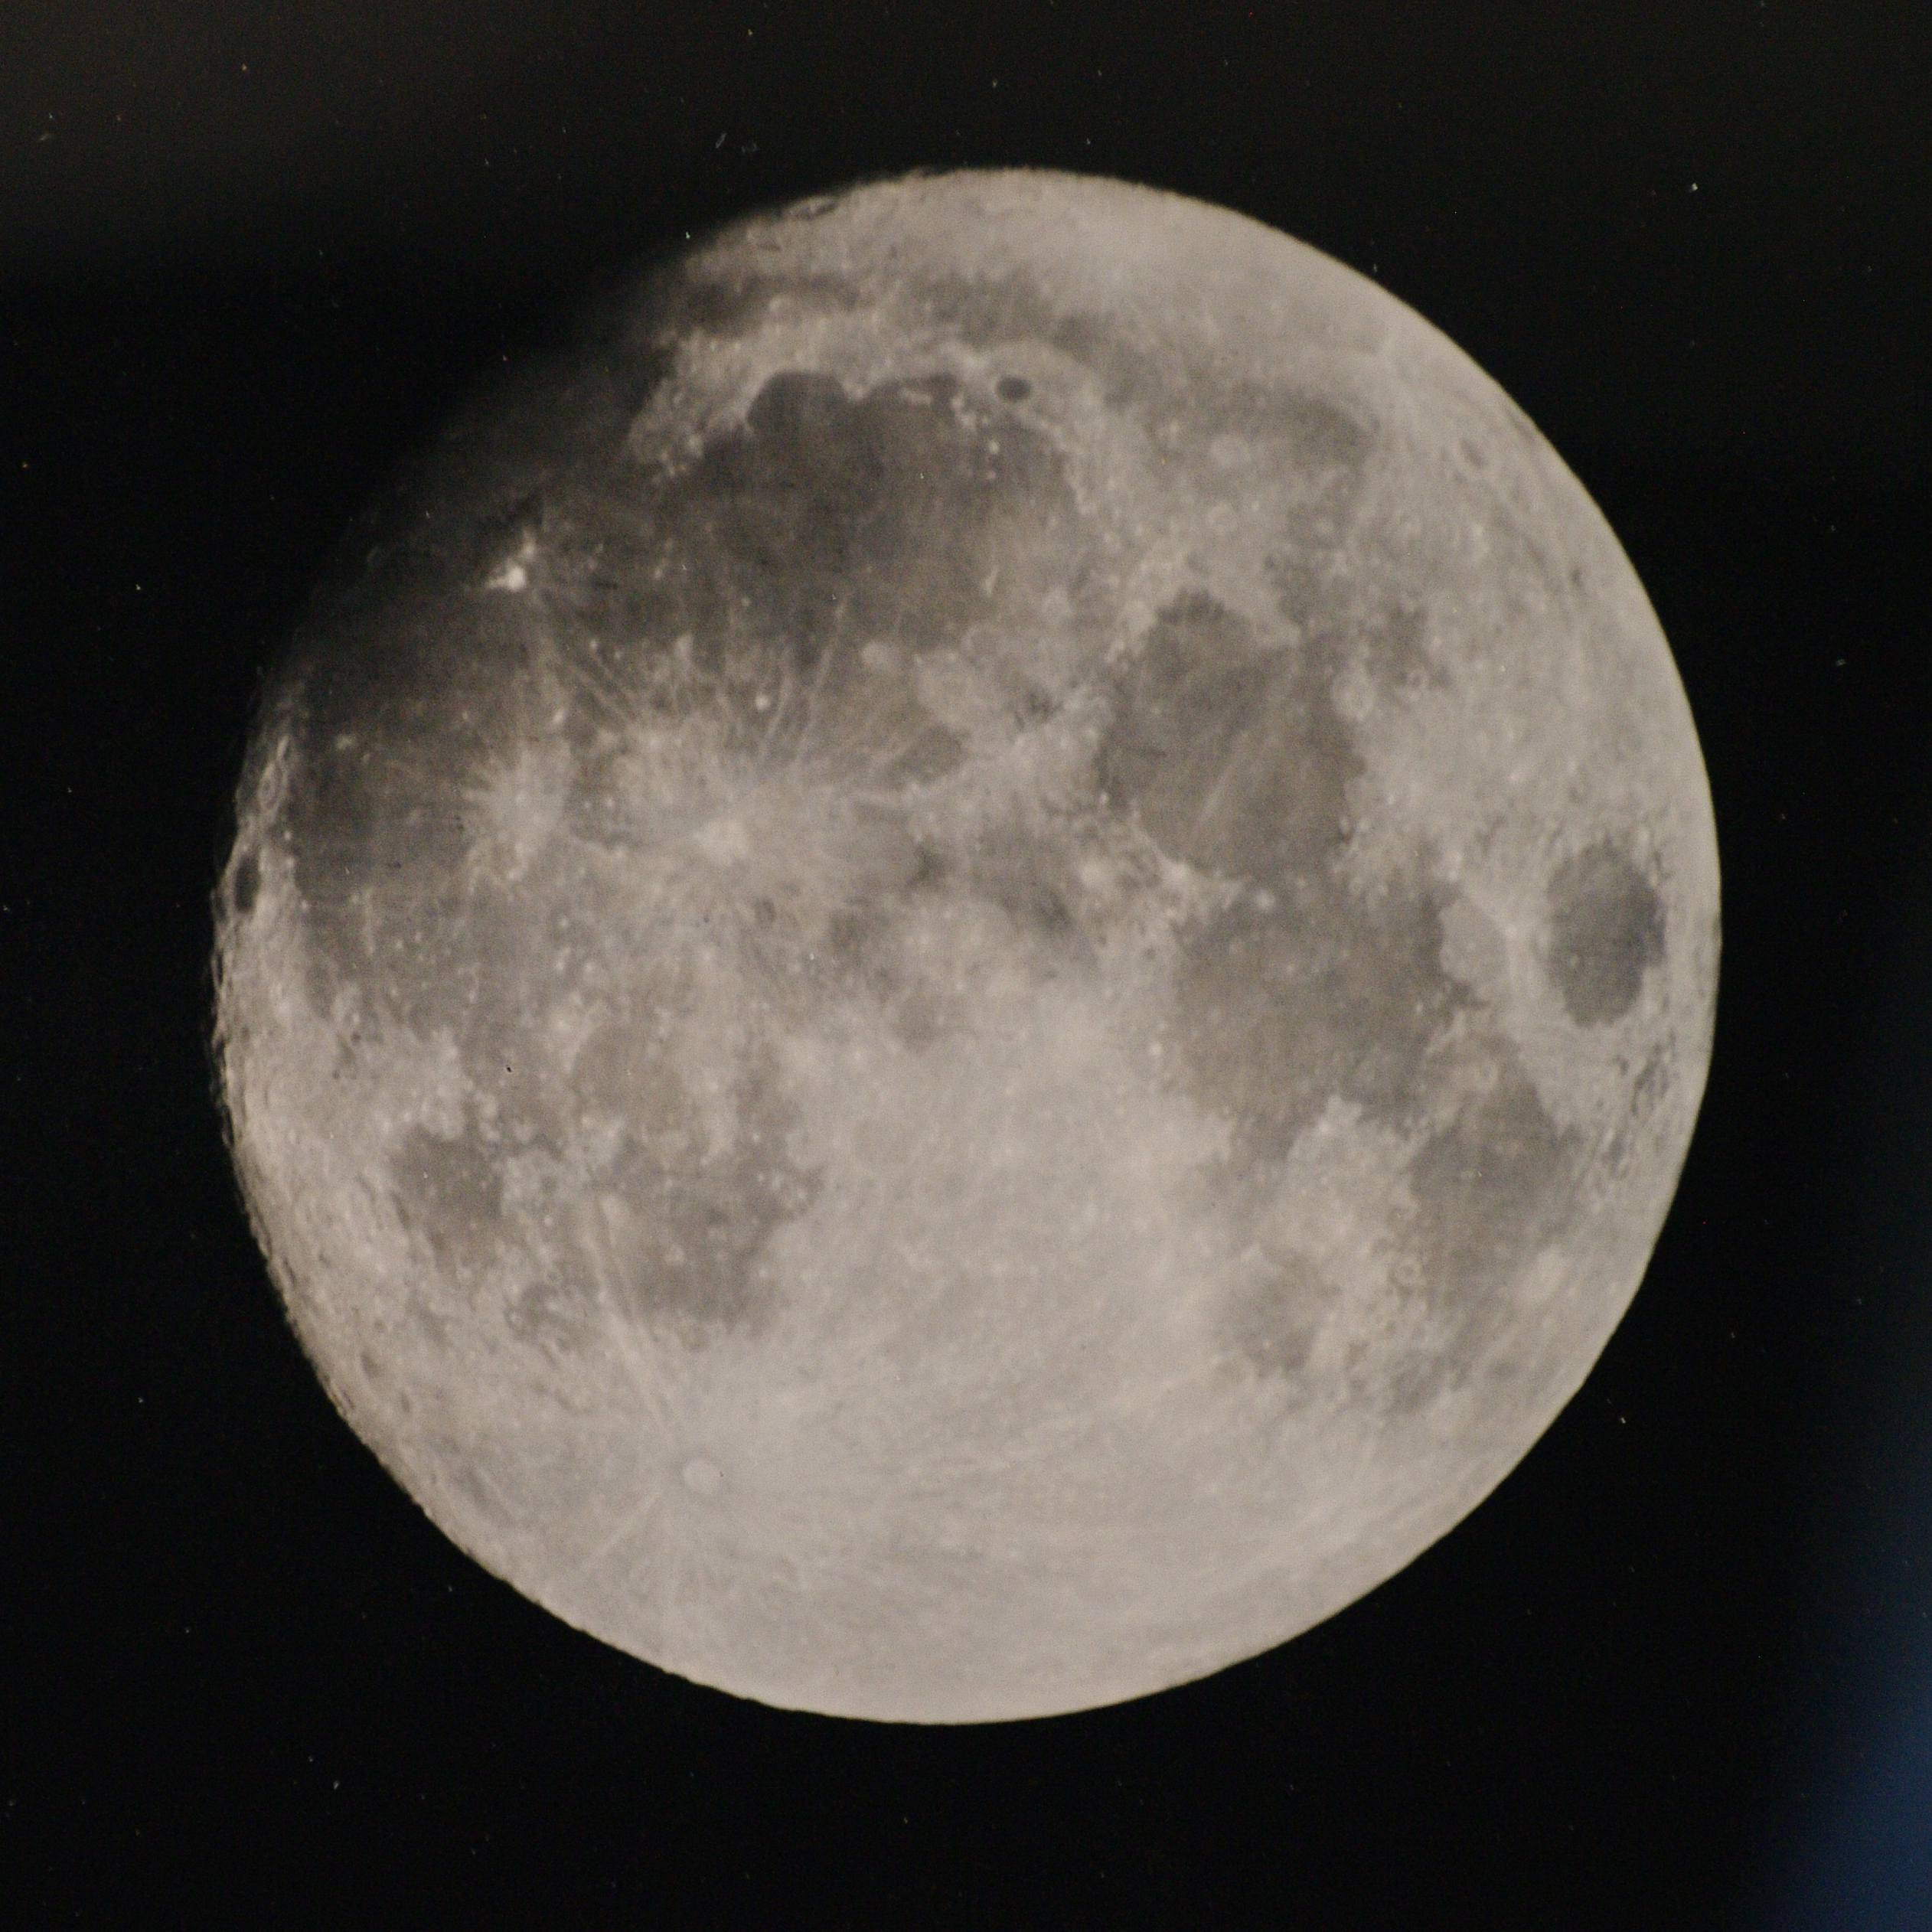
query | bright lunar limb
[969, 964]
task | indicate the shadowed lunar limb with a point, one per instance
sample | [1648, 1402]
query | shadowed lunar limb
[947, 991]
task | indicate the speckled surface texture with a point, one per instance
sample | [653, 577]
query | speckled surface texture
[966, 969]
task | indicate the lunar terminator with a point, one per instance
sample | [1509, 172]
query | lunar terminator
[966, 966]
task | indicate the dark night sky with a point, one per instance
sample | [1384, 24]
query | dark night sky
[1676, 1672]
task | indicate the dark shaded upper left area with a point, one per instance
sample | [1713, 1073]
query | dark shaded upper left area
[830, 520]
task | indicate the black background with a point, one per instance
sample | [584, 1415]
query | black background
[1676, 1672]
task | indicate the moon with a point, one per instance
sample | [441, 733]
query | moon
[967, 964]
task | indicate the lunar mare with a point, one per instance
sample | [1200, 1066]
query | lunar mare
[967, 966]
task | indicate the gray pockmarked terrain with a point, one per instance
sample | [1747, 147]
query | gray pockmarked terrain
[967, 967]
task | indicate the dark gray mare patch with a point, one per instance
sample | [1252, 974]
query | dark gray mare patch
[450, 1192]
[1306, 989]
[1606, 931]
[1234, 760]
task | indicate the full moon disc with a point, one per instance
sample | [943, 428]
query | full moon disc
[968, 965]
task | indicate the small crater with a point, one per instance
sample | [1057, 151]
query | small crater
[1013, 389]
[244, 885]
[1607, 931]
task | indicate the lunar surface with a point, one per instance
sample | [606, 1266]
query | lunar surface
[967, 964]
